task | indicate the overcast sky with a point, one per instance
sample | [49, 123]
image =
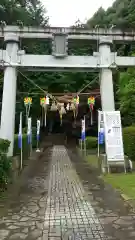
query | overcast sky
[67, 12]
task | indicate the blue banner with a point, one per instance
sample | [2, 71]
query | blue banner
[83, 136]
[83, 130]
[29, 138]
[101, 138]
[38, 137]
[20, 141]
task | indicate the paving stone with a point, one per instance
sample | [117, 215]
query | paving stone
[39, 225]
[25, 230]
[33, 208]
[12, 227]
[3, 234]
[24, 219]
[121, 222]
[132, 234]
[18, 236]
[35, 234]
[15, 217]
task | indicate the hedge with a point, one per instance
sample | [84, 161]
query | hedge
[129, 141]
[91, 142]
[5, 164]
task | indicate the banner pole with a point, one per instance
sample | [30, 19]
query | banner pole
[38, 133]
[21, 160]
[98, 132]
[84, 139]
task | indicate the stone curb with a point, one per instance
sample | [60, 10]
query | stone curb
[127, 200]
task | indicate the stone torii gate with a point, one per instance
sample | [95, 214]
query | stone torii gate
[13, 58]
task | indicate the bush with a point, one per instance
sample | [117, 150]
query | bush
[5, 164]
[91, 142]
[5, 169]
[129, 142]
[4, 145]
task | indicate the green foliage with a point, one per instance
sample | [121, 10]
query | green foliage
[5, 164]
[4, 145]
[5, 170]
[91, 142]
[29, 12]
[129, 141]
[32, 13]
[126, 94]
[120, 14]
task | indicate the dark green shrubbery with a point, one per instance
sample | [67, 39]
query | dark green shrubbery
[129, 141]
[91, 142]
[5, 164]
[4, 145]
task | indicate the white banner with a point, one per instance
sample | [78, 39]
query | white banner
[29, 126]
[83, 126]
[47, 100]
[83, 130]
[38, 127]
[100, 121]
[20, 125]
[113, 136]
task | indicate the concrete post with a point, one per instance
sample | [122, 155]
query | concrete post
[9, 92]
[106, 79]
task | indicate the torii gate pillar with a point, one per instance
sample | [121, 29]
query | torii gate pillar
[106, 78]
[9, 92]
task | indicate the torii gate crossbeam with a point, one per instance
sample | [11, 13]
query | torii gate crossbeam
[72, 33]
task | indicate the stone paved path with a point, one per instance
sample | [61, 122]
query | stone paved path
[55, 204]
[68, 213]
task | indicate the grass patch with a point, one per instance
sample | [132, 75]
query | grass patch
[92, 160]
[125, 183]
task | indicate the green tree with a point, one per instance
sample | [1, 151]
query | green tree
[126, 93]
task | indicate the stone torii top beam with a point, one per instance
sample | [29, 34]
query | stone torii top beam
[72, 33]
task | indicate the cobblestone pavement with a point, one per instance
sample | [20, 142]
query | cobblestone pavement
[57, 204]
[68, 213]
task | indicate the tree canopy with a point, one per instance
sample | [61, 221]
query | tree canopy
[122, 15]
[31, 12]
